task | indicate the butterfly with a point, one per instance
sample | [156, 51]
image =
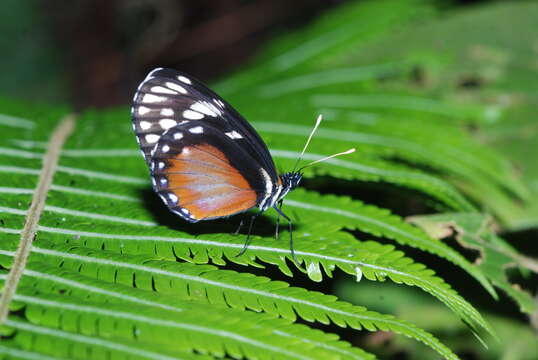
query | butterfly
[206, 161]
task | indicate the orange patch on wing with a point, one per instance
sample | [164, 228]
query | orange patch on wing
[207, 184]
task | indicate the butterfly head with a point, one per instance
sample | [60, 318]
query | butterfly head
[291, 180]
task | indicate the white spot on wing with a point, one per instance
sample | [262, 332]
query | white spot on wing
[192, 115]
[167, 112]
[150, 98]
[163, 181]
[185, 212]
[173, 198]
[176, 87]
[234, 135]
[184, 79]
[178, 135]
[205, 108]
[162, 90]
[142, 110]
[161, 165]
[196, 130]
[165, 148]
[167, 123]
[152, 138]
[144, 125]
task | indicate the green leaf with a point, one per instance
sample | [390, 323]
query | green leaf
[474, 231]
[225, 288]
[517, 339]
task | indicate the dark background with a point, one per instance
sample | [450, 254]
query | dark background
[94, 52]
[101, 49]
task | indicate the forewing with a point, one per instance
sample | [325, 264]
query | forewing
[202, 175]
[167, 98]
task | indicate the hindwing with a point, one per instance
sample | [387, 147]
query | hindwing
[202, 175]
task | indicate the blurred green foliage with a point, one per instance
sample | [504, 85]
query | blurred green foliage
[33, 66]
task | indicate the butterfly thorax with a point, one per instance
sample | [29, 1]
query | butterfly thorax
[290, 181]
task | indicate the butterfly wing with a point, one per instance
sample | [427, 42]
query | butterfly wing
[201, 174]
[167, 98]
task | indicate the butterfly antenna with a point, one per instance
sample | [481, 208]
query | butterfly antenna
[318, 121]
[352, 150]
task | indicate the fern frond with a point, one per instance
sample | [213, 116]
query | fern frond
[228, 288]
[219, 332]
[205, 329]
[378, 222]
[47, 279]
[373, 260]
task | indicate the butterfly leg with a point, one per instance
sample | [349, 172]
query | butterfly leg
[247, 241]
[290, 229]
[236, 232]
[278, 219]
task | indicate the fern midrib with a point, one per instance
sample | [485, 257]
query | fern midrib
[50, 163]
